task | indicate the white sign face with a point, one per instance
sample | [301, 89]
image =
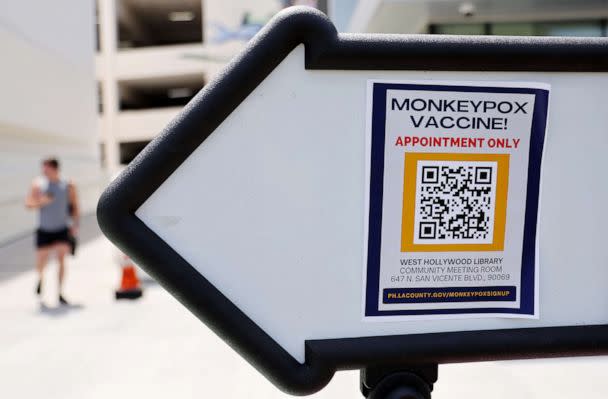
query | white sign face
[271, 210]
[454, 171]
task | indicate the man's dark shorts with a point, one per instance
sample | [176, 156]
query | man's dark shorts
[46, 238]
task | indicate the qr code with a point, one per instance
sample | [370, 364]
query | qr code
[455, 202]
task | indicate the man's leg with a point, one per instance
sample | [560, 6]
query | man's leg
[62, 250]
[42, 256]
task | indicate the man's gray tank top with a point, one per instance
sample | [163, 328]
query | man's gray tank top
[54, 216]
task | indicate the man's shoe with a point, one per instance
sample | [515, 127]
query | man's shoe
[62, 300]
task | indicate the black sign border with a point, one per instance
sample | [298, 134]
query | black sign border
[325, 49]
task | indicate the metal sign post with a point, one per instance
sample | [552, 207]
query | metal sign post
[382, 202]
[415, 382]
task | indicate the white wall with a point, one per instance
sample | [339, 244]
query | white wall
[378, 16]
[47, 102]
[144, 124]
[165, 61]
[229, 13]
[341, 12]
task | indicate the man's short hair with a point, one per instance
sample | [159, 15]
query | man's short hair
[52, 162]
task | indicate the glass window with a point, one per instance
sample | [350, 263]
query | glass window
[460, 29]
[513, 29]
[585, 28]
[558, 28]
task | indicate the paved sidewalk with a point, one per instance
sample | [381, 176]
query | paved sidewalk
[154, 348]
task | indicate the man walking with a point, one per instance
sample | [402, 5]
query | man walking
[59, 216]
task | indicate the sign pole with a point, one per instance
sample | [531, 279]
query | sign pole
[407, 382]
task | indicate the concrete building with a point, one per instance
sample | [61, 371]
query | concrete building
[47, 103]
[155, 55]
[479, 17]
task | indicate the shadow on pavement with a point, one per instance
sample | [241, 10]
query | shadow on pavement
[147, 282]
[58, 311]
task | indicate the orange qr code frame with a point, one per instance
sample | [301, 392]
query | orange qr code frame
[409, 202]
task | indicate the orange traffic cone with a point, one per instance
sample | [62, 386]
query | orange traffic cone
[129, 284]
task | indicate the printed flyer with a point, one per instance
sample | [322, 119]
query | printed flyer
[453, 173]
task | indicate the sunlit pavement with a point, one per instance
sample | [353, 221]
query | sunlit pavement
[154, 348]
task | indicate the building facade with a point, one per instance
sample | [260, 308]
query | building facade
[48, 105]
[155, 55]
[481, 17]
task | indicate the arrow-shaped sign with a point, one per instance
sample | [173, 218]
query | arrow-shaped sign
[250, 206]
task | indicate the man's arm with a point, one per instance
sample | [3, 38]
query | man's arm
[74, 207]
[36, 199]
